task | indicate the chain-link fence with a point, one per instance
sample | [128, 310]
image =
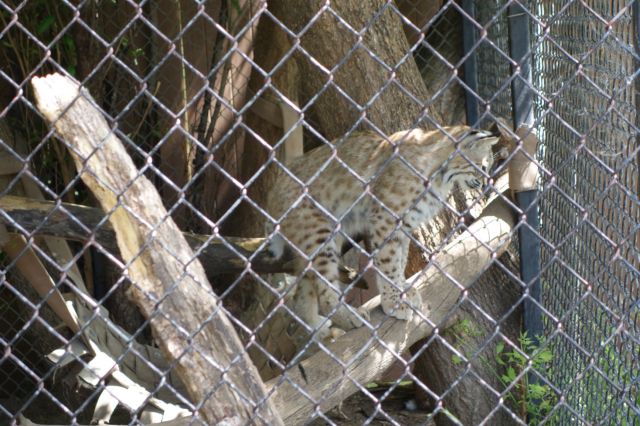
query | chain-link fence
[217, 228]
[591, 148]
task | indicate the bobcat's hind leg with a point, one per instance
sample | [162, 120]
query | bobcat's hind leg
[305, 305]
[397, 300]
[330, 290]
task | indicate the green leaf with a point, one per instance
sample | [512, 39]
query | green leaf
[45, 25]
[519, 358]
[544, 356]
[137, 52]
[545, 406]
[499, 347]
[236, 5]
[456, 359]
[526, 342]
[537, 391]
[68, 42]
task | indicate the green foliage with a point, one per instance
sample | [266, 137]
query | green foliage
[45, 25]
[48, 34]
[48, 21]
[534, 399]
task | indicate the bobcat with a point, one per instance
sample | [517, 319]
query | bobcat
[370, 187]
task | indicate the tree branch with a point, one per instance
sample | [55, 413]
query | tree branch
[81, 223]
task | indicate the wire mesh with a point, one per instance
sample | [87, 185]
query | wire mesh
[209, 98]
[585, 67]
[494, 67]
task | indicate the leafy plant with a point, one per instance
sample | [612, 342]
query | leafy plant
[534, 399]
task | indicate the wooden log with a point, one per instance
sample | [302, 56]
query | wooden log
[192, 330]
[357, 358]
[81, 223]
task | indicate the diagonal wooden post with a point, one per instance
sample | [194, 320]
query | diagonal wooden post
[169, 283]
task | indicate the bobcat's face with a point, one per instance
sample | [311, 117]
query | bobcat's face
[472, 161]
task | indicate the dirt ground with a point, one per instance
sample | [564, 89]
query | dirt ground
[360, 409]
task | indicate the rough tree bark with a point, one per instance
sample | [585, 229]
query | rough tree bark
[387, 92]
[160, 265]
[470, 391]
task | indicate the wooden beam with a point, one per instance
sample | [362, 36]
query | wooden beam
[81, 223]
[169, 284]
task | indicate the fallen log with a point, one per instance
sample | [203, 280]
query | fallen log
[81, 223]
[218, 255]
[169, 283]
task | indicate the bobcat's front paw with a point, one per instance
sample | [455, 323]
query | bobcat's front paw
[401, 305]
[347, 320]
[322, 327]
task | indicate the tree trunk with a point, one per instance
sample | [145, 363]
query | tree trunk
[471, 398]
[386, 93]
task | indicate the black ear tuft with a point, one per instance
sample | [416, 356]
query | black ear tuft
[499, 127]
[495, 130]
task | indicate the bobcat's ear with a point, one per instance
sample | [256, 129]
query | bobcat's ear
[489, 141]
[485, 139]
[501, 127]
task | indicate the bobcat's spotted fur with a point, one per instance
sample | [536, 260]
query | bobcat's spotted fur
[372, 187]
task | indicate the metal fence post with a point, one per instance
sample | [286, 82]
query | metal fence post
[636, 45]
[469, 37]
[522, 99]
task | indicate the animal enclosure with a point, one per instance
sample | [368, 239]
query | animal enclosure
[155, 159]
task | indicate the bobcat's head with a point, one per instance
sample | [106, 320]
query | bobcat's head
[472, 159]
